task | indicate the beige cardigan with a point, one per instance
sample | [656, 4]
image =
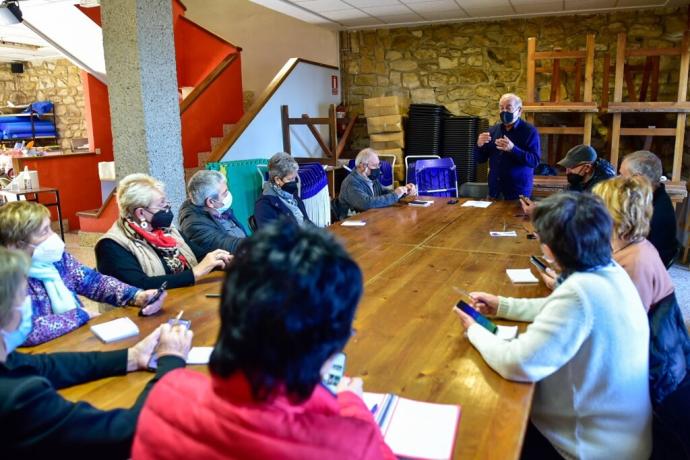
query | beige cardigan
[148, 258]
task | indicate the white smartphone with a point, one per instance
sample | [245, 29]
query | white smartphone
[335, 374]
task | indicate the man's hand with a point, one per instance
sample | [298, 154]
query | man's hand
[504, 144]
[483, 139]
[411, 189]
[527, 206]
[400, 191]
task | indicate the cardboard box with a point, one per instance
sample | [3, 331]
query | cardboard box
[387, 141]
[384, 124]
[387, 105]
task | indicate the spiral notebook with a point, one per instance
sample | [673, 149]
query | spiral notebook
[415, 429]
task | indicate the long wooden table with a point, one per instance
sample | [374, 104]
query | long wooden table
[408, 341]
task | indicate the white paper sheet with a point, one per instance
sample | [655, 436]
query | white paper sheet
[353, 223]
[199, 355]
[521, 275]
[476, 204]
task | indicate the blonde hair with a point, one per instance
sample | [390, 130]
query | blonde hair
[14, 268]
[135, 191]
[19, 220]
[629, 201]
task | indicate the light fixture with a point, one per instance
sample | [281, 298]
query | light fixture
[10, 13]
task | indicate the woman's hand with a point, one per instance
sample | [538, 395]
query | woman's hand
[175, 341]
[139, 355]
[465, 319]
[143, 298]
[218, 259]
[486, 304]
[355, 385]
[549, 277]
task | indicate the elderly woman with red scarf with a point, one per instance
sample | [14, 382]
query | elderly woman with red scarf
[143, 248]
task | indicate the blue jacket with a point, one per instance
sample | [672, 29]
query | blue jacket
[355, 194]
[269, 208]
[511, 173]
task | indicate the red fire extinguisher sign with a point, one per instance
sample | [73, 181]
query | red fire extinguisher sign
[334, 84]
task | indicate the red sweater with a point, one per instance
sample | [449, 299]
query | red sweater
[190, 415]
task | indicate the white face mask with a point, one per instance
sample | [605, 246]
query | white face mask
[227, 202]
[17, 337]
[50, 250]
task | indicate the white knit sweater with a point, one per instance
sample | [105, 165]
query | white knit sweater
[588, 350]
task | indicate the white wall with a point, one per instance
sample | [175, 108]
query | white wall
[306, 90]
[267, 38]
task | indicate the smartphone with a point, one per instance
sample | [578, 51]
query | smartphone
[452, 201]
[158, 294]
[537, 262]
[153, 362]
[478, 317]
[335, 374]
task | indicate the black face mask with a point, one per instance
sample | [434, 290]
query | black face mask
[575, 181]
[162, 218]
[290, 187]
[375, 174]
[508, 118]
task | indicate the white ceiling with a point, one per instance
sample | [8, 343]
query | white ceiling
[360, 14]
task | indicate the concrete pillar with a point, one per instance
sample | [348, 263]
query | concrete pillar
[142, 84]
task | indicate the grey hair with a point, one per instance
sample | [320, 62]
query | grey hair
[515, 97]
[364, 155]
[645, 163]
[14, 267]
[204, 184]
[280, 165]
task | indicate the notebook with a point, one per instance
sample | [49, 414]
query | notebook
[421, 203]
[415, 429]
[353, 223]
[117, 329]
[476, 204]
[521, 275]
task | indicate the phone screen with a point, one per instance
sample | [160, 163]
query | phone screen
[335, 374]
[153, 362]
[478, 317]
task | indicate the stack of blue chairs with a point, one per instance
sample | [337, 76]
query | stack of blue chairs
[436, 177]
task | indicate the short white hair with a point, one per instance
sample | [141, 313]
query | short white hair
[514, 97]
[645, 163]
[280, 165]
[365, 155]
[204, 184]
[136, 191]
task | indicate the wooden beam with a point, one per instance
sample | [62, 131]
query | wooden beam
[332, 131]
[587, 136]
[589, 69]
[317, 135]
[649, 107]
[684, 68]
[615, 139]
[652, 132]
[557, 55]
[308, 120]
[560, 107]
[646, 52]
[577, 130]
[531, 82]
[285, 120]
[620, 64]
[678, 148]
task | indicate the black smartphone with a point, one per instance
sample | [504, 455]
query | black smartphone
[537, 262]
[478, 317]
[158, 294]
[153, 362]
[452, 201]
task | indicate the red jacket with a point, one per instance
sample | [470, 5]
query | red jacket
[190, 415]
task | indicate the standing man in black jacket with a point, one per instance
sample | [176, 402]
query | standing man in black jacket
[35, 421]
[663, 226]
[207, 222]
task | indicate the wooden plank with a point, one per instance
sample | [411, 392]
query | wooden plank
[531, 82]
[678, 147]
[545, 107]
[615, 139]
[589, 69]
[308, 120]
[647, 52]
[317, 135]
[650, 107]
[573, 130]
[620, 64]
[648, 132]
[587, 135]
[332, 133]
[285, 119]
[556, 82]
[557, 55]
[684, 68]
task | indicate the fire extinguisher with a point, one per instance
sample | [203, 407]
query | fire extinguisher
[341, 120]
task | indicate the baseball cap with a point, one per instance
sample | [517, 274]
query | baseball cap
[579, 154]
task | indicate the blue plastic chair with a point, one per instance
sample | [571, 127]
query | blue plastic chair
[410, 161]
[386, 178]
[436, 177]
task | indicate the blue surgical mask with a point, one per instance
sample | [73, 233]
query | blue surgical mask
[508, 118]
[17, 337]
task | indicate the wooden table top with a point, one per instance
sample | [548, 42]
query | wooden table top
[408, 341]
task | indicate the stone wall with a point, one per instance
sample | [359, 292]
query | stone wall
[467, 66]
[54, 80]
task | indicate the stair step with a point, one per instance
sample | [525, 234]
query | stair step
[215, 141]
[88, 213]
[189, 172]
[203, 158]
[227, 128]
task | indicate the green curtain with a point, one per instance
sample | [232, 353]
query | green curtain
[244, 182]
